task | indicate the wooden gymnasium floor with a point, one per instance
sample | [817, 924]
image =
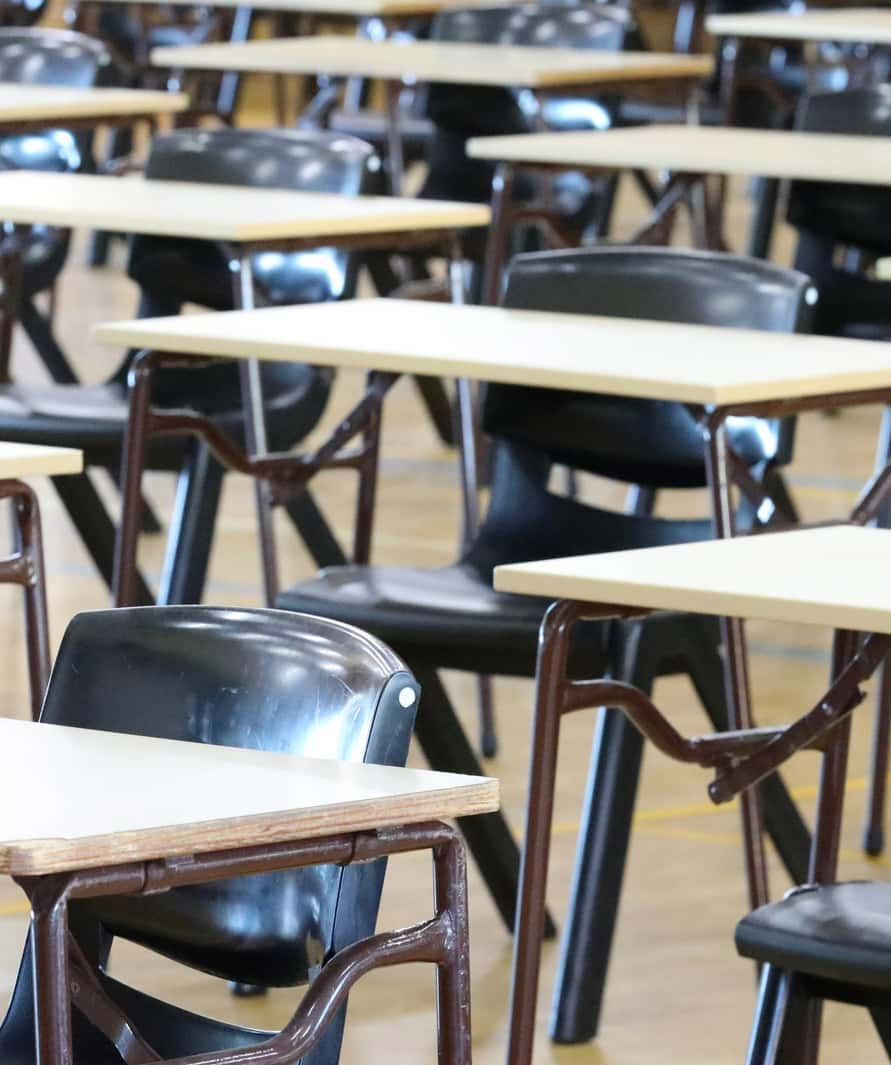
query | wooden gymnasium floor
[677, 992]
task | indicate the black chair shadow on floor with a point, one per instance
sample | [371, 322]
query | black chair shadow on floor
[451, 618]
[170, 273]
[263, 680]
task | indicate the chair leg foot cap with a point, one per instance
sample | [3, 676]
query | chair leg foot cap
[874, 842]
[240, 990]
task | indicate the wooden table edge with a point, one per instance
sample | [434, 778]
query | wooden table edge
[44, 856]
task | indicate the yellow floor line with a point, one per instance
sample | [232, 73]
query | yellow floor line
[706, 809]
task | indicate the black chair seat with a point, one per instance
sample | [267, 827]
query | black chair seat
[839, 932]
[452, 608]
[94, 417]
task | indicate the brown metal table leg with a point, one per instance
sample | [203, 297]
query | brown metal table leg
[739, 699]
[550, 685]
[499, 230]
[453, 973]
[874, 824]
[25, 567]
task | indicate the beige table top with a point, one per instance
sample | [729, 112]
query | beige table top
[838, 577]
[31, 460]
[51, 103]
[105, 798]
[217, 212]
[857, 25]
[704, 150]
[693, 364]
[460, 64]
[347, 8]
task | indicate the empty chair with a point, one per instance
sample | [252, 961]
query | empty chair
[847, 220]
[459, 112]
[171, 272]
[41, 56]
[821, 942]
[450, 618]
[255, 679]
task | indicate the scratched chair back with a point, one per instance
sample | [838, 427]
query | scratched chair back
[258, 679]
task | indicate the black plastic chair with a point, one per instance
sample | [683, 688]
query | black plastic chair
[822, 941]
[851, 218]
[451, 618]
[41, 56]
[459, 112]
[171, 272]
[257, 679]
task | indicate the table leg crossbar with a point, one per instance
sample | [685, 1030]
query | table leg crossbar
[286, 474]
[64, 977]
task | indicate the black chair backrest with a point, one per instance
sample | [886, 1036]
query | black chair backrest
[637, 441]
[302, 160]
[858, 215]
[459, 112]
[41, 56]
[480, 110]
[259, 679]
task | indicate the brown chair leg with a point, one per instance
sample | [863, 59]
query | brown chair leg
[874, 825]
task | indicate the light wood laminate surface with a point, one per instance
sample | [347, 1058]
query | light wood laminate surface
[106, 798]
[32, 460]
[658, 360]
[854, 25]
[51, 103]
[459, 64]
[702, 150]
[836, 576]
[218, 212]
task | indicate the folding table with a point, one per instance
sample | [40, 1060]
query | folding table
[691, 153]
[24, 566]
[835, 576]
[541, 70]
[243, 221]
[223, 812]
